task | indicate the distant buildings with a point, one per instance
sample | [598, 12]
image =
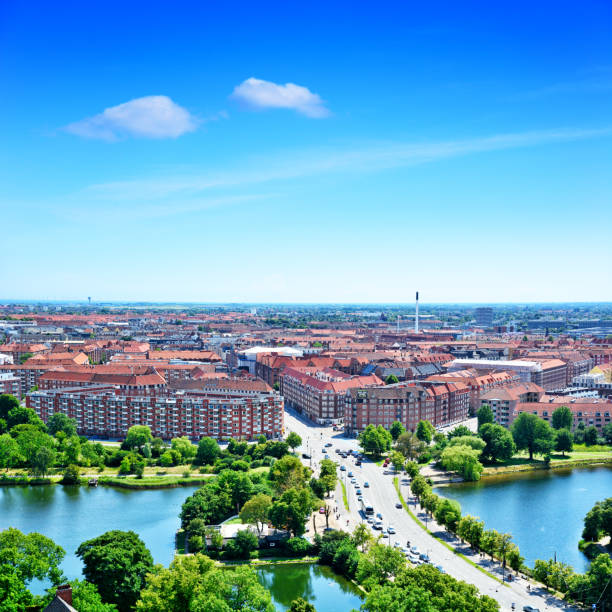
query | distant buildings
[484, 316]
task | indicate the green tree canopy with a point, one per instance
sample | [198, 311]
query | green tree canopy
[409, 445]
[425, 431]
[256, 510]
[85, 597]
[117, 562]
[10, 453]
[301, 605]
[462, 459]
[375, 440]
[137, 437]
[392, 379]
[294, 440]
[292, 510]
[32, 555]
[533, 434]
[194, 583]
[61, 422]
[564, 441]
[499, 444]
[484, 415]
[289, 472]
[562, 418]
[184, 447]
[396, 430]
[208, 451]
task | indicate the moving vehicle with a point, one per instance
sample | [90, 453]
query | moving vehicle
[305, 456]
[414, 550]
[358, 491]
[342, 468]
[350, 474]
[367, 508]
[329, 444]
[366, 485]
[398, 506]
[530, 609]
[391, 529]
[379, 516]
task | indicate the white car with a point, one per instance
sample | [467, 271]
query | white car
[391, 529]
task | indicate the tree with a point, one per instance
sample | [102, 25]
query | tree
[425, 431]
[396, 430]
[292, 510]
[61, 422]
[361, 536]
[184, 447]
[71, 475]
[562, 418]
[460, 430]
[85, 597]
[398, 460]
[489, 540]
[7, 403]
[31, 555]
[43, 460]
[375, 440]
[379, 564]
[484, 415]
[564, 441]
[242, 545]
[9, 452]
[418, 486]
[13, 592]
[20, 415]
[504, 543]
[256, 511]
[301, 605]
[499, 444]
[606, 432]
[448, 513]
[194, 583]
[30, 440]
[117, 562]
[329, 476]
[462, 459]
[470, 529]
[590, 435]
[532, 434]
[289, 472]
[208, 451]
[598, 521]
[392, 379]
[293, 440]
[412, 468]
[409, 445]
[137, 437]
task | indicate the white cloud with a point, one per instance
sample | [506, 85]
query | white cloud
[265, 94]
[147, 117]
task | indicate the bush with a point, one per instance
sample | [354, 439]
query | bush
[240, 466]
[71, 475]
[242, 545]
[297, 547]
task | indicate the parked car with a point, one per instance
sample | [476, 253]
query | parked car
[440, 569]
[377, 526]
[424, 557]
[414, 550]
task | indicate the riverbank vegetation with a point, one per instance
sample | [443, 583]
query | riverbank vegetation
[530, 443]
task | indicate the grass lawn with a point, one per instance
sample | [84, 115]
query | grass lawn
[344, 495]
[233, 521]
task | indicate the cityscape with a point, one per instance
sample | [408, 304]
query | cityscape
[305, 307]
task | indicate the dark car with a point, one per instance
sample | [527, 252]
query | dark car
[305, 456]
[530, 609]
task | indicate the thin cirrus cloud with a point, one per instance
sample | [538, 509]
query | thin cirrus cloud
[260, 94]
[147, 117]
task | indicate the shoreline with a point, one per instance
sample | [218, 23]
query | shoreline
[106, 481]
[490, 473]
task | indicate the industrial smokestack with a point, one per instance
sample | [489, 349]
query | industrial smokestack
[416, 315]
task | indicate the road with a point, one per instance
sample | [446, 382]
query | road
[383, 496]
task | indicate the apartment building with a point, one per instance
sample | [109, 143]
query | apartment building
[109, 412]
[590, 411]
[504, 401]
[320, 394]
[409, 403]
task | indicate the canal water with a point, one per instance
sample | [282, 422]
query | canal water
[543, 510]
[70, 515]
[318, 584]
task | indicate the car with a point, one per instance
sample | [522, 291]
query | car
[399, 505]
[377, 526]
[350, 474]
[358, 463]
[530, 609]
[396, 544]
[305, 456]
[329, 529]
[359, 498]
[370, 520]
[385, 472]
[440, 569]
[353, 481]
[424, 557]
[379, 516]
[321, 510]
[329, 444]
[343, 468]
[358, 491]
[366, 485]
[383, 531]
[391, 529]
[414, 550]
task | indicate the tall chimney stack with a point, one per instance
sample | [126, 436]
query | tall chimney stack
[416, 315]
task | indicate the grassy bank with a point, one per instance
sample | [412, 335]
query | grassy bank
[344, 496]
[151, 482]
[571, 460]
[22, 480]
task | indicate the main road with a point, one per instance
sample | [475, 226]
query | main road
[382, 495]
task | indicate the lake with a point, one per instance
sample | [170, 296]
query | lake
[70, 515]
[543, 510]
[318, 584]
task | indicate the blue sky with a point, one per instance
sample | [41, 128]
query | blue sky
[320, 152]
